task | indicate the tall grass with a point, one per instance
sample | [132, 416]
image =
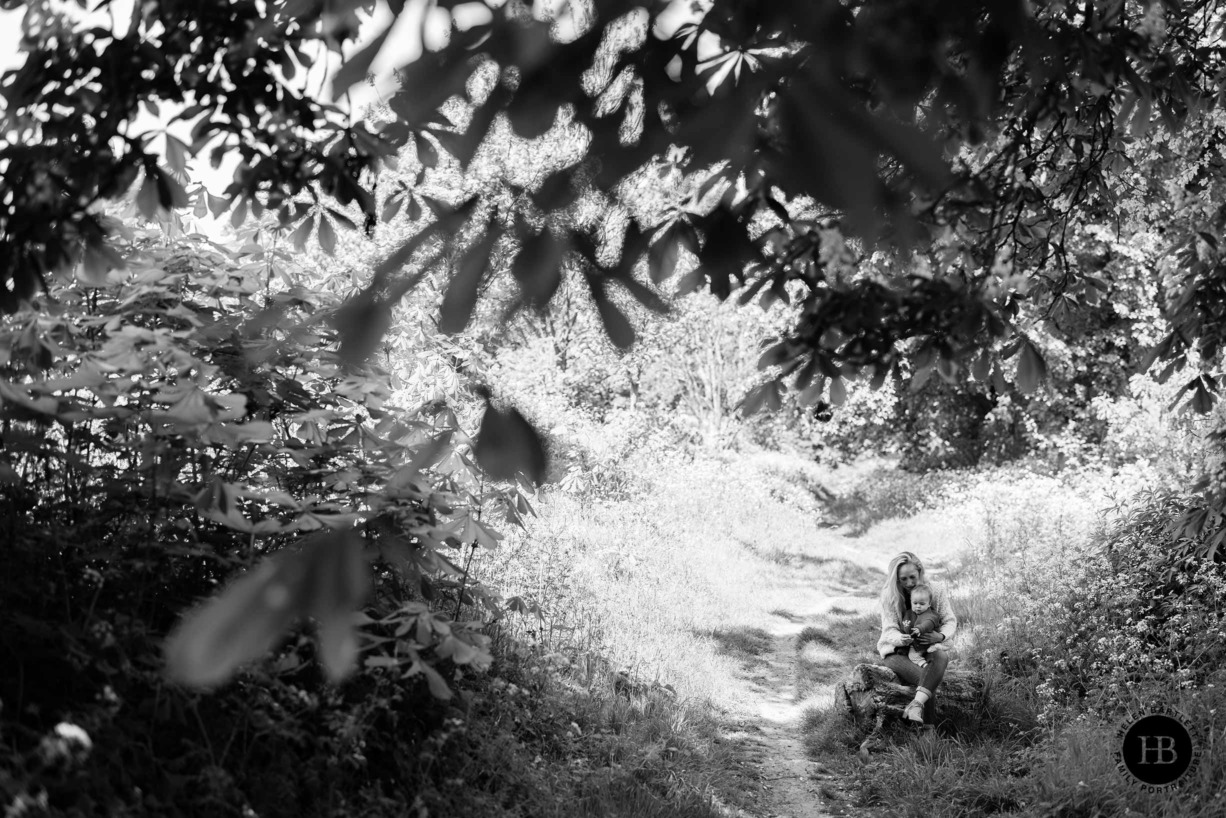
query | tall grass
[659, 582]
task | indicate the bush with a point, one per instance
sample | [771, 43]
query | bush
[1142, 606]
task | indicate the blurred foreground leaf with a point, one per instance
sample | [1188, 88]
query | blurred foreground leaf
[507, 446]
[324, 578]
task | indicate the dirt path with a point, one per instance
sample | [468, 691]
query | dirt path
[777, 692]
[792, 660]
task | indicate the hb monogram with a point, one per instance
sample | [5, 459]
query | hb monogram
[1162, 749]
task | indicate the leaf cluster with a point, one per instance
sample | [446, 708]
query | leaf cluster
[190, 417]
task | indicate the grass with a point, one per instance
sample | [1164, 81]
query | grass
[824, 653]
[830, 732]
[617, 701]
[688, 580]
[666, 582]
[1067, 771]
[844, 631]
[744, 643]
[555, 746]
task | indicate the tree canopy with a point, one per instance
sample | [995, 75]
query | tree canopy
[931, 185]
[907, 170]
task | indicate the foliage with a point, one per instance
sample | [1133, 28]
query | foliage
[983, 193]
[1088, 352]
[228, 72]
[1145, 430]
[687, 374]
[192, 421]
[539, 736]
[962, 201]
[702, 363]
[1142, 610]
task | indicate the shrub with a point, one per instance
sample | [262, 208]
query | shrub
[1142, 605]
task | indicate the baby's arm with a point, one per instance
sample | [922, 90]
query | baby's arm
[925, 623]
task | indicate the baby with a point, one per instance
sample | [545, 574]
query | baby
[922, 619]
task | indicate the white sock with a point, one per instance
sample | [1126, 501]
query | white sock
[922, 694]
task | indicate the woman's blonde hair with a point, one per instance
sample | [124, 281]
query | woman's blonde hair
[892, 598]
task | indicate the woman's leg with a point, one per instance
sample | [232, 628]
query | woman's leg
[930, 677]
[934, 672]
[906, 670]
[926, 677]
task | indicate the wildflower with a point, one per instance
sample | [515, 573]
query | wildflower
[72, 733]
[67, 743]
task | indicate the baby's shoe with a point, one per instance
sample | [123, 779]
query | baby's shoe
[914, 712]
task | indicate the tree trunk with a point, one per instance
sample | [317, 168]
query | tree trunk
[873, 694]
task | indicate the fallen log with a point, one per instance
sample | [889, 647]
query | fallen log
[874, 695]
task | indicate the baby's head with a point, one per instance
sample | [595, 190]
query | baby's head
[921, 598]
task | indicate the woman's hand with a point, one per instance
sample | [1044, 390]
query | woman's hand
[926, 639]
[906, 640]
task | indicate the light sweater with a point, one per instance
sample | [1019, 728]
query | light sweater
[891, 627]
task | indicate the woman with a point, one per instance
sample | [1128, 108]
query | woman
[905, 572]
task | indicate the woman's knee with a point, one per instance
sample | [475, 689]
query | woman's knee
[906, 670]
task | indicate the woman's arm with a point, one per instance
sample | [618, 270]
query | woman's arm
[890, 633]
